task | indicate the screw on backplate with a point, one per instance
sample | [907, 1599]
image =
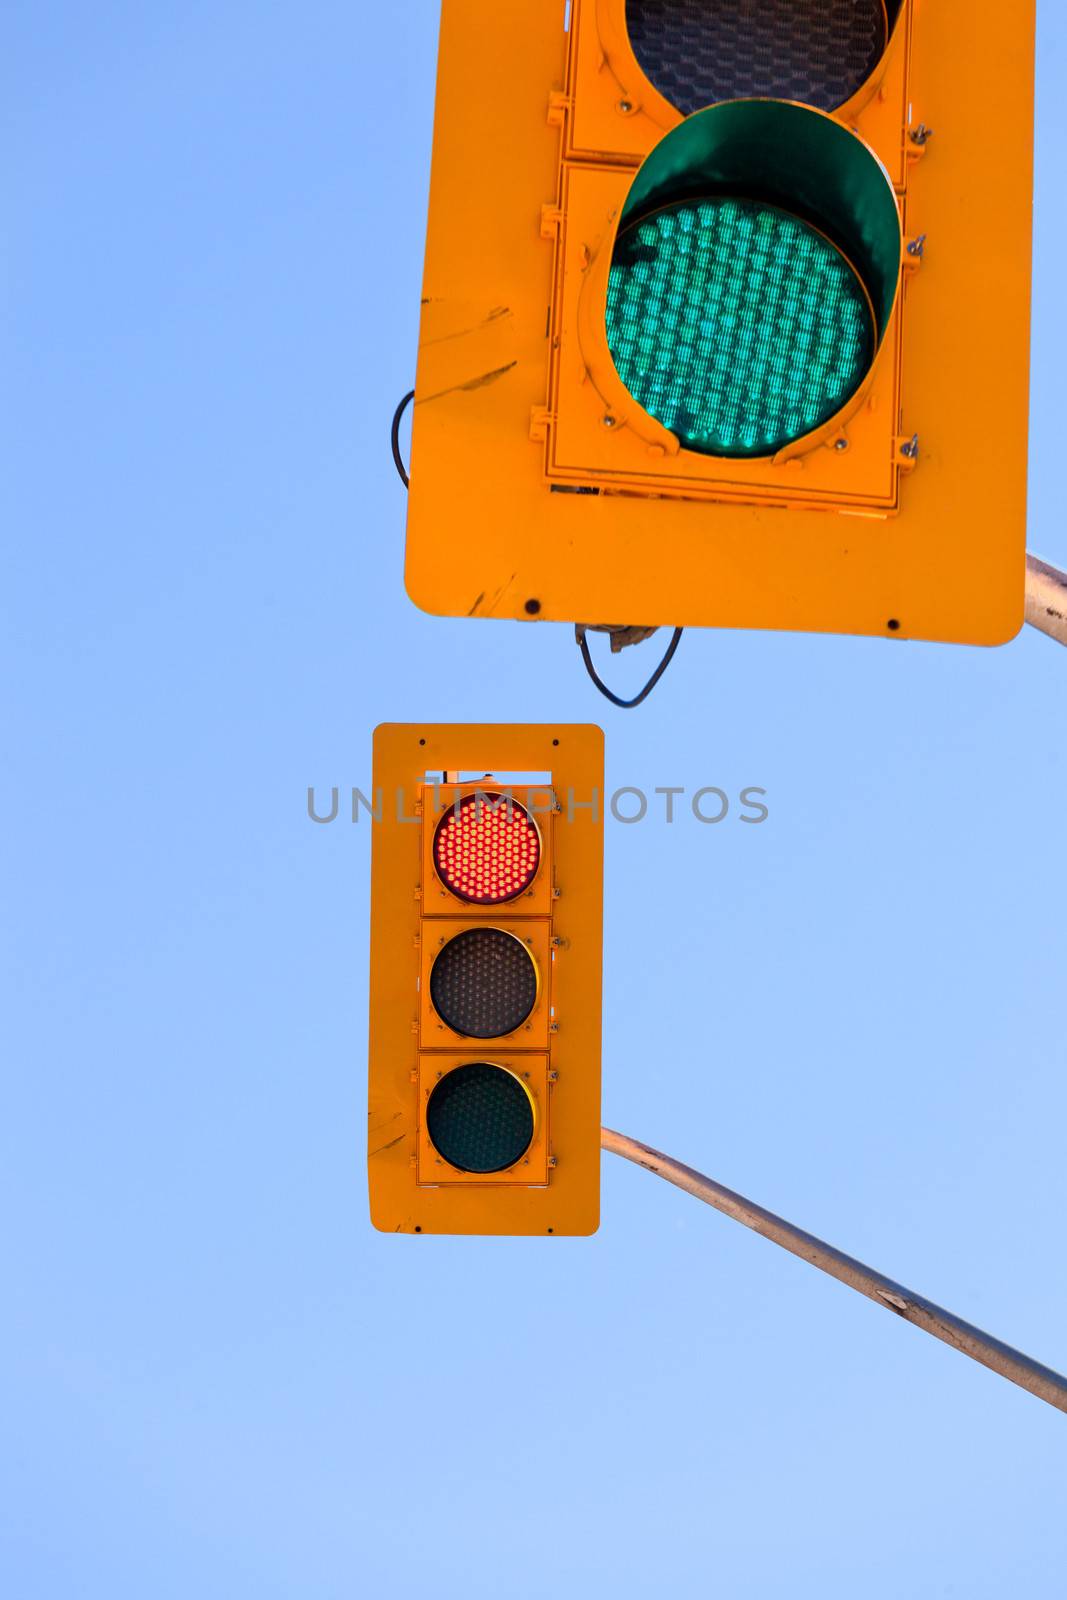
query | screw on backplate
[609, 421]
[552, 1161]
[920, 134]
[910, 448]
[917, 247]
[625, 106]
[840, 444]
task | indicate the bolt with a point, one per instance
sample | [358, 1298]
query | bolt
[920, 134]
[910, 448]
[917, 247]
[840, 444]
[609, 421]
[625, 106]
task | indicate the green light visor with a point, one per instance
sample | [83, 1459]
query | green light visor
[753, 276]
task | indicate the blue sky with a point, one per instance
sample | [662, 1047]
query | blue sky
[219, 1380]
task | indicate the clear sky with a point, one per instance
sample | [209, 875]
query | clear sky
[218, 1380]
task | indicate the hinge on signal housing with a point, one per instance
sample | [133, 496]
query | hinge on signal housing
[558, 106]
[541, 420]
[551, 220]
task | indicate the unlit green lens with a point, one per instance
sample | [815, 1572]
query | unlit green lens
[480, 1118]
[735, 325]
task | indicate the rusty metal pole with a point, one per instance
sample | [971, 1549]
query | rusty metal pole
[1046, 598]
[1011, 1364]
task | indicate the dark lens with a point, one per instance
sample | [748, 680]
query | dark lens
[484, 983]
[480, 1118]
[698, 52]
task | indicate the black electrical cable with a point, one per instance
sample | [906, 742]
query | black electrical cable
[394, 436]
[627, 705]
[668, 654]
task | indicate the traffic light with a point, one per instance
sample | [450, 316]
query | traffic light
[726, 316]
[486, 936]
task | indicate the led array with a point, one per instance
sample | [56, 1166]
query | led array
[484, 983]
[736, 325]
[816, 51]
[480, 1118]
[486, 849]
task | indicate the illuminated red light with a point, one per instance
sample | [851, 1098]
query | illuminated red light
[486, 849]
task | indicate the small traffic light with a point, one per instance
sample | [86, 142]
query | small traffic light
[726, 316]
[486, 936]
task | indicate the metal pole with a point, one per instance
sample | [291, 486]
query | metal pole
[1040, 1381]
[1046, 598]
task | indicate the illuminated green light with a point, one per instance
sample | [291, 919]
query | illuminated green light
[737, 326]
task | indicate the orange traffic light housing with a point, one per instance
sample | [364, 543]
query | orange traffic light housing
[485, 985]
[726, 317]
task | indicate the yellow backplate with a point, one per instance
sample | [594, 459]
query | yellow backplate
[556, 1188]
[501, 431]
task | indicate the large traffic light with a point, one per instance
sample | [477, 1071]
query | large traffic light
[486, 936]
[726, 316]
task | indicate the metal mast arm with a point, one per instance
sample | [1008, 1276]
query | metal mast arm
[1046, 598]
[1012, 1364]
